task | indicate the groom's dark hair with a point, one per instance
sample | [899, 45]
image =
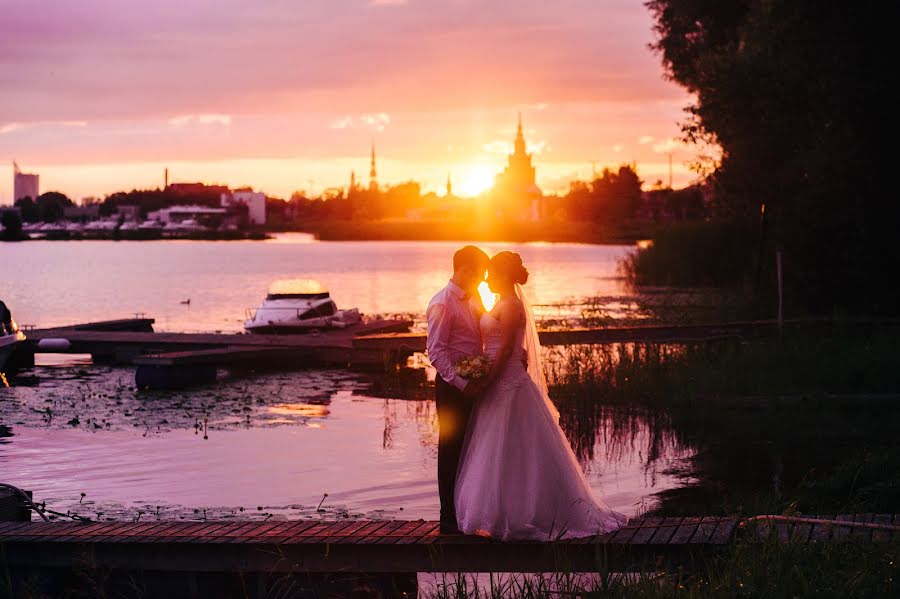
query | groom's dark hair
[470, 256]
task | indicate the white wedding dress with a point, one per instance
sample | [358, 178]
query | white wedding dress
[518, 478]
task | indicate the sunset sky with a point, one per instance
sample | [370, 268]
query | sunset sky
[101, 95]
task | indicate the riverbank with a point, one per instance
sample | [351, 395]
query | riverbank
[140, 235]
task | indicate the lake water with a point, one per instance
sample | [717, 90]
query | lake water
[51, 283]
[278, 442]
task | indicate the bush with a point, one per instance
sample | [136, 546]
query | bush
[717, 254]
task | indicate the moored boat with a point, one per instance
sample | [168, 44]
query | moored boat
[10, 335]
[297, 306]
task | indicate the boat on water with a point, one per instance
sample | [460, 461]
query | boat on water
[10, 335]
[298, 306]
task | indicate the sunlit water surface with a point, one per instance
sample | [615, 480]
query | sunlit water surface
[51, 283]
[271, 445]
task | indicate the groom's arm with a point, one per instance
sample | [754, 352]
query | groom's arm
[437, 345]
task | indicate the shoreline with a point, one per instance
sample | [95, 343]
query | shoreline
[520, 232]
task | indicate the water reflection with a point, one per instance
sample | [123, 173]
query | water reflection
[305, 410]
[279, 441]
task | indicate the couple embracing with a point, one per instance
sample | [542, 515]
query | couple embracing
[505, 467]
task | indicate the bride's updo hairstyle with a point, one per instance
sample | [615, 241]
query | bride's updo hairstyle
[509, 265]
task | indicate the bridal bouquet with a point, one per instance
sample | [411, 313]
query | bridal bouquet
[473, 367]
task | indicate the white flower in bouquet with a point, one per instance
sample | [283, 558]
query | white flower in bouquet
[473, 367]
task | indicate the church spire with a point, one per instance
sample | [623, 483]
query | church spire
[520, 138]
[449, 186]
[373, 174]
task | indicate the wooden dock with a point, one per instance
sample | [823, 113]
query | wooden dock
[403, 546]
[175, 360]
[690, 333]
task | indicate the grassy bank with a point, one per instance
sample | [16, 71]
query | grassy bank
[807, 360]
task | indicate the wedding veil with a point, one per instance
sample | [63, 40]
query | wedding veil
[533, 347]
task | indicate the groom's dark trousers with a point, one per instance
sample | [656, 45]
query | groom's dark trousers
[453, 409]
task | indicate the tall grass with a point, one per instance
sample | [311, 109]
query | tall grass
[815, 359]
[764, 570]
[695, 255]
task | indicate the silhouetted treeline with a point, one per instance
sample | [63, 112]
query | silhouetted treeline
[614, 196]
[48, 207]
[795, 93]
[150, 200]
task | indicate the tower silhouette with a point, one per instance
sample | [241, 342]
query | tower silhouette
[373, 173]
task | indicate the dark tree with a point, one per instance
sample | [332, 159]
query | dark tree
[28, 209]
[611, 198]
[51, 206]
[795, 94]
[12, 225]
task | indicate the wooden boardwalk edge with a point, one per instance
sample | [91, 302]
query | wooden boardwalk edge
[397, 546]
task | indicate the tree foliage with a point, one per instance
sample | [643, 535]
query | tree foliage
[48, 207]
[795, 94]
[611, 198]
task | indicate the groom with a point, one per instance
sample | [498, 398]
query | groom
[453, 332]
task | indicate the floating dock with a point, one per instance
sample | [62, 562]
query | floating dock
[175, 360]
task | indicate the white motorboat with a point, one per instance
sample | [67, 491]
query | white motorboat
[297, 306]
[10, 335]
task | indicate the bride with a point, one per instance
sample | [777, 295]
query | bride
[519, 478]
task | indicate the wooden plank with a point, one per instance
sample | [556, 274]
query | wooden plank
[705, 530]
[141, 529]
[431, 536]
[802, 532]
[7, 527]
[685, 531]
[347, 531]
[882, 536]
[399, 533]
[331, 528]
[626, 533]
[862, 533]
[723, 532]
[421, 532]
[288, 528]
[219, 535]
[111, 532]
[782, 530]
[821, 532]
[61, 529]
[646, 531]
[665, 531]
[382, 532]
[367, 530]
[842, 533]
[311, 534]
[178, 531]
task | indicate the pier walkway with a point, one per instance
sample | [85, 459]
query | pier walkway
[403, 546]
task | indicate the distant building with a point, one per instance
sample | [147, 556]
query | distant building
[184, 214]
[129, 212]
[255, 201]
[24, 185]
[186, 189]
[516, 194]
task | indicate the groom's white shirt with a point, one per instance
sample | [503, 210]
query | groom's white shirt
[453, 331]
